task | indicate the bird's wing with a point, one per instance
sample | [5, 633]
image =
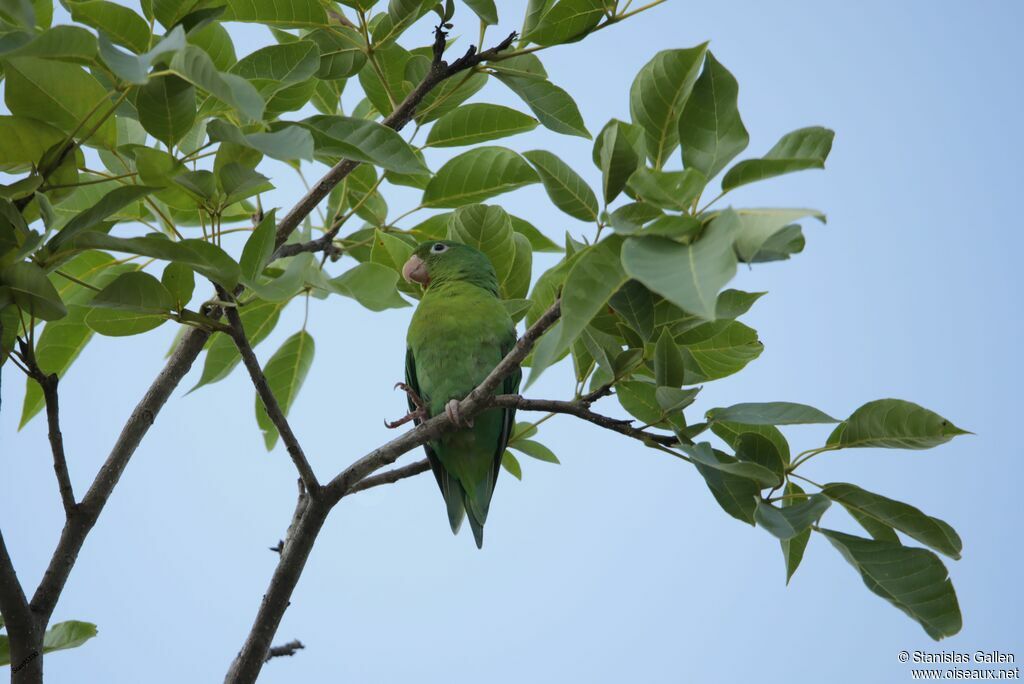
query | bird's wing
[451, 490]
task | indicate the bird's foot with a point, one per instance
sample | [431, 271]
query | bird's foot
[417, 414]
[413, 397]
[451, 409]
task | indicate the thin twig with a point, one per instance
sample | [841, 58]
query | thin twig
[288, 649]
[390, 476]
[276, 415]
[48, 384]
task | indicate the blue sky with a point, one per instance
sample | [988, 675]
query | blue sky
[617, 565]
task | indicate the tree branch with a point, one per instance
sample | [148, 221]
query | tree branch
[439, 71]
[581, 410]
[390, 476]
[310, 513]
[48, 384]
[277, 417]
[288, 649]
[78, 526]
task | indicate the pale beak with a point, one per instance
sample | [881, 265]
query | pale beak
[415, 271]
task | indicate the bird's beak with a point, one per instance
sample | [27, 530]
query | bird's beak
[415, 271]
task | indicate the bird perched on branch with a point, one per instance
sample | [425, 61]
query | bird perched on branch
[458, 334]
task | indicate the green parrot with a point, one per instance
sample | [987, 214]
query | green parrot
[458, 334]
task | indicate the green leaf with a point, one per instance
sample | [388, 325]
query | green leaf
[372, 285]
[618, 152]
[25, 141]
[258, 320]
[489, 229]
[793, 520]
[484, 9]
[121, 323]
[716, 350]
[930, 531]
[205, 258]
[240, 182]
[516, 284]
[448, 95]
[135, 68]
[734, 303]
[639, 399]
[180, 282]
[259, 248]
[703, 454]
[669, 369]
[630, 218]
[731, 433]
[108, 205]
[389, 250]
[216, 41]
[284, 13]
[362, 140]
[61, 94]
[682, 228]
[590, 282]
[69, 634]
[135, 291]
[299, 272]
[286, 143]
[658, 95]
[342, 52]
[64, 43]
[770, 413]
[781, 245]
[567, 21]
[755, 447]
[567, 190]
[805, 148]
[32, 291]
[56, 349]
[511, 464]
[674, 190]
[167, 108]
[913, 580]
[538, 241]
[195, 66]
[672, 400]
[285, 372]
[893, 424]
[475, 123]
[280, 64]
[554, 107]
[736, 495]
[476, 175]
[635, 304]
[793, 549]
[535, 450]
[120, 23]
[758, 226]
[711, 132]
[689, 276]
[392, 60]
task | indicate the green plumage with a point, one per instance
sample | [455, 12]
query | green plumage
[458, 334]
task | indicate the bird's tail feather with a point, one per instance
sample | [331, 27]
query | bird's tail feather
[478, 530]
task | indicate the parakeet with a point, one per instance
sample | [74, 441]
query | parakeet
[458, 334]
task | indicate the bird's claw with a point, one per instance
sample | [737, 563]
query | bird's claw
[451, 409]
[413, 396]
[419, 414]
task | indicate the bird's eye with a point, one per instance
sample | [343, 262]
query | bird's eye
[439, 247]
